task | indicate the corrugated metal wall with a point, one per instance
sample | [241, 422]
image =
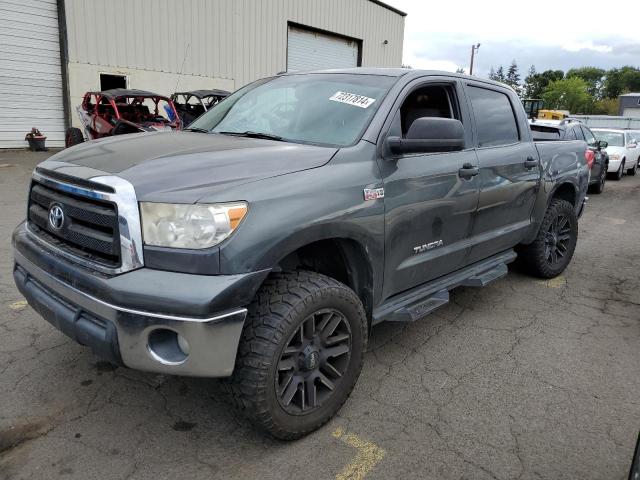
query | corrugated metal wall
[30, 72]
[235, 39]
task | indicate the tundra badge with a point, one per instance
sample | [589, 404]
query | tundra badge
[428, 246]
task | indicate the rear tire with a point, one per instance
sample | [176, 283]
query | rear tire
[73, 136]
[599, 187]
[550, 253]
[300, 354]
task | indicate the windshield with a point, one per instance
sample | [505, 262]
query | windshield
[328, 109]
[614, 139]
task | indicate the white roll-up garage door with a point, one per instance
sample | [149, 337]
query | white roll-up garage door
[309, 50]
[30, 72]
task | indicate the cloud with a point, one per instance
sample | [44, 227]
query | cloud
[589, 45]
[554, 36]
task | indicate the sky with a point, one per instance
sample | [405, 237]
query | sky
[558, 34]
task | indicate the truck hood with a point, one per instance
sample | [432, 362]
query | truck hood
[183, 166]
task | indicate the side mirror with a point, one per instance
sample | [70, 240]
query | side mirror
[430, 134]
[602, 144]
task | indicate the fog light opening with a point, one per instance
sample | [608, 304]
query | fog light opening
[168, 347]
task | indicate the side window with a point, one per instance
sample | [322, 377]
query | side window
[630, 138]
[430, 101]
[589, 137]
[570, 134]
[578, 133]
[495, 120]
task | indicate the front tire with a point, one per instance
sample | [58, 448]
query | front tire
[73, 136]
[618, 175]
[300, 354]
[632, 171]
[550, 253]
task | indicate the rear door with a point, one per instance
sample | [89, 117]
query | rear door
[509, 170]
[429, 207]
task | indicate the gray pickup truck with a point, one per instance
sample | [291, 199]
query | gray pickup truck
[264, 243]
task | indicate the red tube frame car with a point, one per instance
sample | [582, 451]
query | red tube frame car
[120, 111]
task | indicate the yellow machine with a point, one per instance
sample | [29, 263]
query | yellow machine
[552, 114]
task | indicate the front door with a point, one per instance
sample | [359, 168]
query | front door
[429, 207]
[509, 172]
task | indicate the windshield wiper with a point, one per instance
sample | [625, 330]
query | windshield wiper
[250, 134]
[196, 129]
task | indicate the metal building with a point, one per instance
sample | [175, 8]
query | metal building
[630, 105]
[53, 51]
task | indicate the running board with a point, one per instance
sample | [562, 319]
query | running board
[420, 301]
[485, 278]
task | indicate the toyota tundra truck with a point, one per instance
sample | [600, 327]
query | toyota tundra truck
[263, 243]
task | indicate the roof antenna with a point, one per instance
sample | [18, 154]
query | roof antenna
[184, 59]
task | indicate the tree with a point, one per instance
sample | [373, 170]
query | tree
[535, 83]
[460, 70]
[513, 77]
[607, 106]
[500, 74]
[621, 80]
[593, 76]
[568, 94]
[492, 73]
[528, 82]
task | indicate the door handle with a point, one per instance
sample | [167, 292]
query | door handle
[530, 162]
[468, 171]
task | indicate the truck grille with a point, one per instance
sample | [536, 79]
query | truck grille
[89, 228]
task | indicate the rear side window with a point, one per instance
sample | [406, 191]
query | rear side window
[578, 133]
[589, 137]
[495, 119]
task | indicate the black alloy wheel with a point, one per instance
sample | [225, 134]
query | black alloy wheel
[551, 251]
[557, 240]
[300, 353]
[313, 362]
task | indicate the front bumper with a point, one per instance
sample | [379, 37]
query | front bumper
[149, 320]
[614, 165]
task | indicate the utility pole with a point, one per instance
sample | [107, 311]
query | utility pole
[474, 49]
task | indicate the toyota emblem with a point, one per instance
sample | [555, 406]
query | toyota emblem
[56, 217]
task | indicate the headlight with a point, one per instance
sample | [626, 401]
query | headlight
[614, 156]
[189, 226]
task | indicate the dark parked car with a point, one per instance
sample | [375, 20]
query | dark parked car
[598, 159]
[190, 105]
[264, 243]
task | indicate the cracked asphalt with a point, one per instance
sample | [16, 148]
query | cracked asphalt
[522, 379]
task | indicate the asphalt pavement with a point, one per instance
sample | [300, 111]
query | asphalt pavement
[522, 379]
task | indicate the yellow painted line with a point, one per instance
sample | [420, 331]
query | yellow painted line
[368, 456]
[557, 282]
[19, 305]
